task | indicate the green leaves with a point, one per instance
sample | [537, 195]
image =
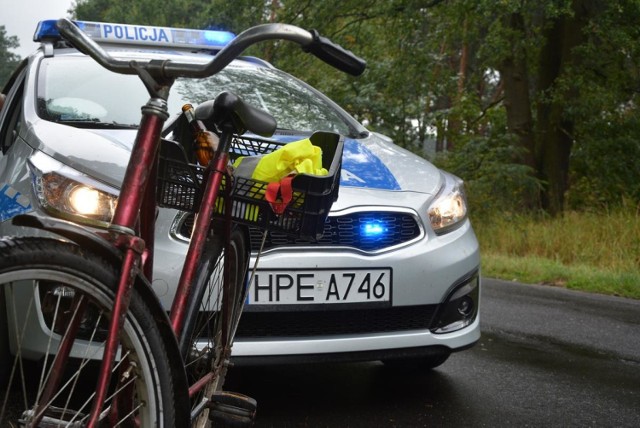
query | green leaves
[500, 83]
[8, 59]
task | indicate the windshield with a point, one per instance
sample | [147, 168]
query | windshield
[78, 91]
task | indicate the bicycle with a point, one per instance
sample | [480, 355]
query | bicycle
[105, 322]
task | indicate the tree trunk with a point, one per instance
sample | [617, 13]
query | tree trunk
[554, 126]
[517, 100]
[455, 119]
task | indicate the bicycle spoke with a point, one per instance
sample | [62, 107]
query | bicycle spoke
[88, 401]
[128, 415]
[86, 358]
[55, 296]
[50, 371]
[75, 376]
[50, 339]
[18, 362]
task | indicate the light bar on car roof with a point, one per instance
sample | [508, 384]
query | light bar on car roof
[147, 35]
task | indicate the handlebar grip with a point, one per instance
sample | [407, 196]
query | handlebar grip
[335, 55]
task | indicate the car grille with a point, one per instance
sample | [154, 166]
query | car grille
[340, 231]
[345, 231]
[334, 322]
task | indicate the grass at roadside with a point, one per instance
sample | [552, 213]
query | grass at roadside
[587, 251]
[537, 270]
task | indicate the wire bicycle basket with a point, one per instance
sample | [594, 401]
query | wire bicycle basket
[180, 185]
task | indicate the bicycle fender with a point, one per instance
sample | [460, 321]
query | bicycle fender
[72, 231]
[95, 243]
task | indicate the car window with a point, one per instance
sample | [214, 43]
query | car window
[72, 89]
[11, 113]
[76, 90]
[294, 105]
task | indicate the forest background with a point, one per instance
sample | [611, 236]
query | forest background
[534, 103]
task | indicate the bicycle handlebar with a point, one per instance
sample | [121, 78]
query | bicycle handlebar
[311, 42]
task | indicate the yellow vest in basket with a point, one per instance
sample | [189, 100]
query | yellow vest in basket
[278, 167]
[298, 157]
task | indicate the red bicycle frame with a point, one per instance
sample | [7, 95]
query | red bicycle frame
[132, 226]
[136, 211]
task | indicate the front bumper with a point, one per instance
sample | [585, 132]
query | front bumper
[353, 348]
[425, 273]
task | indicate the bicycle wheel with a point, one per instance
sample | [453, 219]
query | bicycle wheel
[47, 285]
[213, 316]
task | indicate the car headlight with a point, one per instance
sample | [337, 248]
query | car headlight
[69, 194]
[450, 206]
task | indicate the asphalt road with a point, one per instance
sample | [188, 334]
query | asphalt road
[548, 357]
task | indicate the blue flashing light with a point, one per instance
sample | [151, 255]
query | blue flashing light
[146, 35]
[46, 30]
[373, 229]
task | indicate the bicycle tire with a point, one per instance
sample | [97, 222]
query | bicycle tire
[201, 341]
[39, 277]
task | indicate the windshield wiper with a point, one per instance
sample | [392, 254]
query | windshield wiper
[94, 123]
[294, 132]
[353, 134]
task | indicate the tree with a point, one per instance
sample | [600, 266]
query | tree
[8, 59]
[566, 66]
[540, 92]
[217, 14]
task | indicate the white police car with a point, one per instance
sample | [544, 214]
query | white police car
[396, 275]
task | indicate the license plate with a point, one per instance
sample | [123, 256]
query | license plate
[321, 286]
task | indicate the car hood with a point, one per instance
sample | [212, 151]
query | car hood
[376, 163]
[102, 154]
[373, 162]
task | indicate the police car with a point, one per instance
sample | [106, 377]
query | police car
[396, 275]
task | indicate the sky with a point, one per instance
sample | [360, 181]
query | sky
[20, 18]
